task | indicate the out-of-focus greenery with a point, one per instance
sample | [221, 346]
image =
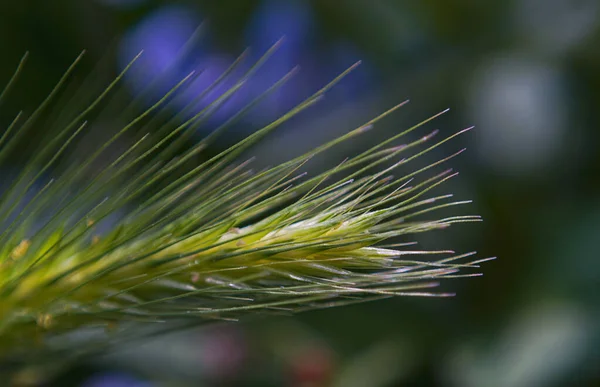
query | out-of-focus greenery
[524, 72]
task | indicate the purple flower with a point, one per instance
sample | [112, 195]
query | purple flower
[171, 52]
[320, 61]
[114, 380]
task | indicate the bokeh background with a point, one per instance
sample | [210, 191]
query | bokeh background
[526, 73]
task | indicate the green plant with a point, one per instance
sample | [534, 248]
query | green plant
[199, 241]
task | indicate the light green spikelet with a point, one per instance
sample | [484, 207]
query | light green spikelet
[212, 241]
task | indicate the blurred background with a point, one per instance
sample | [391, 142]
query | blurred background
[526, 73]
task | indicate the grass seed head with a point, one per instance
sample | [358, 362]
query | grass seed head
[213, 240]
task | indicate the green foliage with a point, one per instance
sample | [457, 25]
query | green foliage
[214, 240]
